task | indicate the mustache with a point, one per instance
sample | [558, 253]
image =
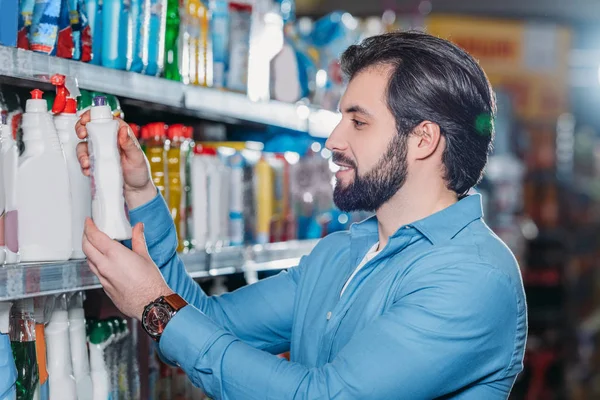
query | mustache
[340, 158]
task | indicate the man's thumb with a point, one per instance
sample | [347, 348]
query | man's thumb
[138, 241]
[127, 141]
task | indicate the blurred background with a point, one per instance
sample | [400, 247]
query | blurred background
[255, 85]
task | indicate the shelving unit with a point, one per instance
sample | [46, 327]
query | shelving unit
[41, 279]
[29, 67]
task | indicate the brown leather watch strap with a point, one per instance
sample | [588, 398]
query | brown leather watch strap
[175, 301]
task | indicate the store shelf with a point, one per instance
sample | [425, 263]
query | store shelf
[30, 67]
[40, 279]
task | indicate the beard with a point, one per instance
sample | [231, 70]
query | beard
[370, 191]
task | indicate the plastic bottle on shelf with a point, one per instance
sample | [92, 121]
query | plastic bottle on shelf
[9, 219]
[79, 349]
[219, 35]
[236, 199]
[108, 203]
[199, 182]
[134, 39]
[94, 10]
[115, 31]
[40, 305]
[25, 18]
[176, 174]
[81, 198]
[216, 203]
[22, 342]
[8, 369]
[82, 35]
[156, 135]
[45, 229]
[172, 41]
[187, 149]
[264, 200]
[60, 367]
[99, 338]
[113, 354]
[153, 34]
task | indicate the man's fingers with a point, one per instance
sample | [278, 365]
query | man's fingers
[80, 125]
[138, 241]
[128, 143]
[92, 253]
[83, 155]
[99, 240]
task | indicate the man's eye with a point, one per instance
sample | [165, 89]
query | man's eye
[358, 123]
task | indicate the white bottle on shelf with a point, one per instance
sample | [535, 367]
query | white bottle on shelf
[60, 368]
[2, 198]
[200, 171]
[108, 202]
[99, 340]
[8, 174]
[81, 196]
[43, 192]
[79, 349]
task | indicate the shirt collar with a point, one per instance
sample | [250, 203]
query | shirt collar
[438, 227]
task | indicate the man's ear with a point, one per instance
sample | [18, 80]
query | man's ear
[426, 140]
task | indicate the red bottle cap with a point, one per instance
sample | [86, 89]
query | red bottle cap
[157, 129]
[60, 102]
[37, 94]
[177, 132]
[189, 132]
[204, 151]
[71, 106]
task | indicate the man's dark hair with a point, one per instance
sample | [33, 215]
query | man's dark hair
[434, 80]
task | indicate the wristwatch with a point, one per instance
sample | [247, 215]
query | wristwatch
[158, 314]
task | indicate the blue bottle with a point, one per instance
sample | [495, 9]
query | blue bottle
[114, 28]
[44, 26]
[134, 39]
[94, 13]
[155, 12]
[220, 41]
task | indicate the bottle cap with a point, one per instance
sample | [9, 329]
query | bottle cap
[100, 332]
[36, 104]
[71, 106]
[204, 150]
[3, 118]
[100, 101]
[157, 129]
[60, 101]
[37, 94]
[177, 132]
[189, 132]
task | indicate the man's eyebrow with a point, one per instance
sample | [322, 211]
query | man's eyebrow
[357, 109]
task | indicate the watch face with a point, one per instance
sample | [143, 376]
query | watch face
[156, 319]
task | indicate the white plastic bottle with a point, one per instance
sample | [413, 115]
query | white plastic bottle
[79, 349]
[8, 170]
[43, 192]
[108, 202]
[2, 201]
[200, 172]
[60, 367]
[100, 337]
[81, 197]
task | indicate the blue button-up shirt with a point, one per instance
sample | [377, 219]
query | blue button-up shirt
[439, 312]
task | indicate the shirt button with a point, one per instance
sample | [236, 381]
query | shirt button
[328, 315]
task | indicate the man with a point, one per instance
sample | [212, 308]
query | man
[421, 301]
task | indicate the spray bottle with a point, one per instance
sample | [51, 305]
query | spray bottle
[79, 349]
[8, 220]
[60, 368]
[7, 365]
[108, 203]
[22, 338]
[65, 118]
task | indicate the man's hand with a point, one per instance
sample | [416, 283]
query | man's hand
[138, 185]
[129, 278]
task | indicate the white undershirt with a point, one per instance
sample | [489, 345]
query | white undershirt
[368, 257]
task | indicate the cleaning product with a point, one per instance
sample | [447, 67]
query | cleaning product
[156, 133]
[84, 102]
[44, 227]
[264, 200]
[39, 314]
[2, 199]
[94, 10]
[8, 220]
[134, 36]
[115, 30]
[81, 199]
[153, 36]
[187, 215]
[172, 41]
[22, 342]
[25, 19]
[219, 34]
[236, 199]
[200, 171]
[240, 23]
[175, 172]
[7, 363]
[82, 37]
[79, 349]
[99, 338]
[44, 26]
[60, 367]
[108, 203]
[112, 355]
